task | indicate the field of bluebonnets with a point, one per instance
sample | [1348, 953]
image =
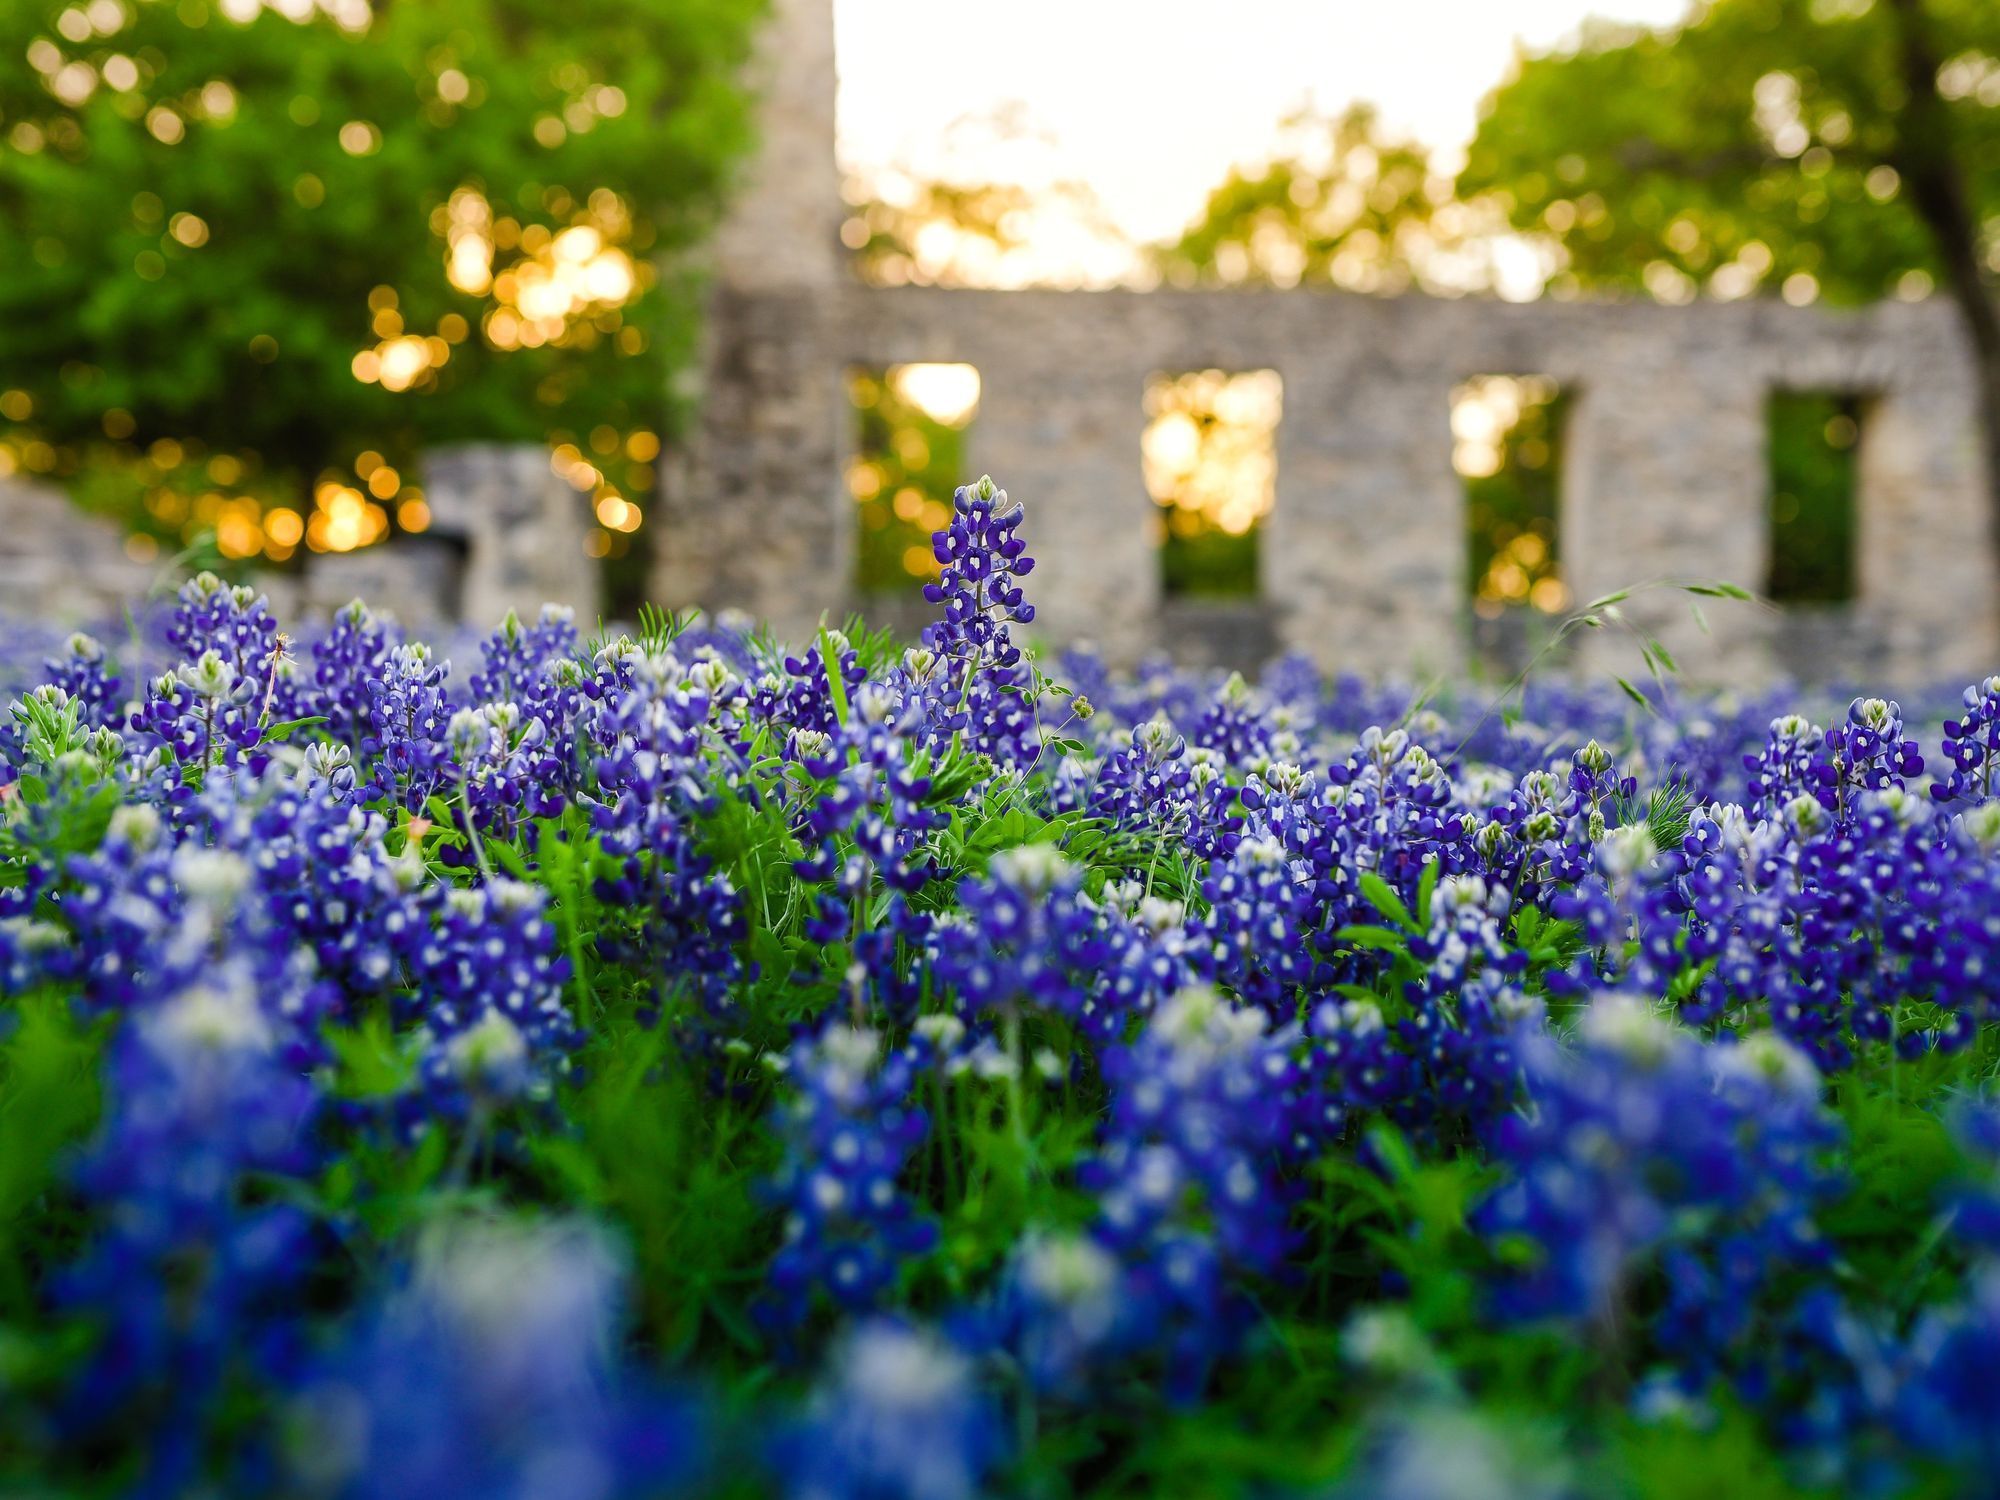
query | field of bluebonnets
[676, 1064]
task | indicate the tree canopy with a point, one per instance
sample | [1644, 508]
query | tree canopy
[1840, 148]
[1338, 200]
[288, 236]
[1766, 144]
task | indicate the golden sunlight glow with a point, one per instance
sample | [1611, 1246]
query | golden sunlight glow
[614, 511]
[469, 242]
[344, 519]
[1486, 426]
[563, 284]
[948, 394]
[1484, 410]
[1209, 452]
[400, 360]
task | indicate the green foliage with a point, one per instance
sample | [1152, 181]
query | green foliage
[650, 1150]
[48, 1101]
[1211, 563]
[195, 212]
[1764, 140]
[907, 462]
[1511, 514]
[1338, 201]
[1813, 438]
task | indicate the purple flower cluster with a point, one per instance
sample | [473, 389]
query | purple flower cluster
[1650, 1154]
[1064, 1019]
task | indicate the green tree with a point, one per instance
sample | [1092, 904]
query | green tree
[289, 235]
[1840, 148]
[1339, 200]
[983, 224]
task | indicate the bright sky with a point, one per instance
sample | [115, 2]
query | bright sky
[1150, 102]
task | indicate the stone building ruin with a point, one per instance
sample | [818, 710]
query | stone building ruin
[1363, 560]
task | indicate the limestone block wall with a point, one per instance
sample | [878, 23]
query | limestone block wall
[1363, 563]
[59, 564]
[1363, 560]
[519, 527]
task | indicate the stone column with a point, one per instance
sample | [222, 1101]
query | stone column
[1364, 553]
[752, 518]
[1666, 478]
[1064, 441]
[522, 529]
[59, 563]
[1924, 549]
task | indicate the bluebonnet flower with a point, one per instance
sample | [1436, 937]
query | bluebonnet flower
[1647, 1149]
[489, 993]
[1444, 1068]
[513, 659]
[864, 823]
[652, 784]
[81, 673]
[1151, 950]
[234, 677]
[849, 1133]
[1232, 726]
[1793, 762]
[1187, 1198]
[346, 663]
[803, 698]
[407, 716]
[897, 1416]
[1061, 1314]
[151, 917]
[493, 1371]
[983, 557]
[1261, 919]
[1972, 744]
[982, 687]
[1025, 937]
[1870, 752]
[184, 1272]
[1975, 1203]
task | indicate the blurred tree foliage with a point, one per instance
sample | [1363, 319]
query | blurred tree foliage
[1006, 217]
[1513, 495]
[1840, 148]
[1814, 438]
[1209, 458]
[907, 463]
[293, 233]
[1338, 200]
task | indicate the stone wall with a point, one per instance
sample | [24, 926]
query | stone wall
[1363, 562]
[506, 533]
[58, 563]
[1363, 558]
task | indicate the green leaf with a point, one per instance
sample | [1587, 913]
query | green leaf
[1379, 894]
[836, 681]
[1367, 935]
[1426, 885]
[285, 728]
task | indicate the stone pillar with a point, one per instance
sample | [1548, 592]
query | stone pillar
[419, 580]
[1065, 443]
[1666, 478]
[1364, 554]
[1924, 551]
[752, 518]
[522, 528]
[60, 564]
